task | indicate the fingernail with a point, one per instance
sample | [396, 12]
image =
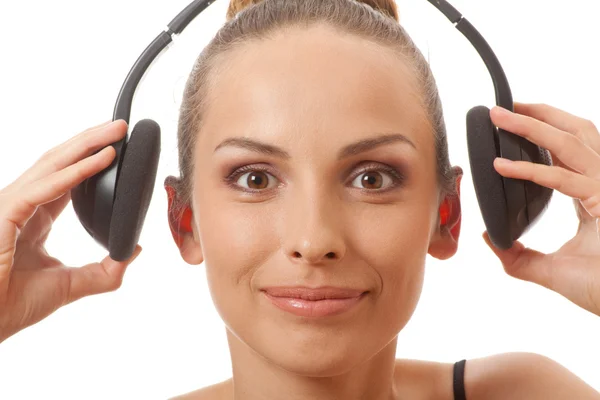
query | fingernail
[502, 110]
[136, 255]
[503, 161]
[116, 122]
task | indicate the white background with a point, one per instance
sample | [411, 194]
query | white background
[62, 65]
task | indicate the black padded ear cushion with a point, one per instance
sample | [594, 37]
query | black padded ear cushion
[483, 148]
[135, 185]
[538, 197]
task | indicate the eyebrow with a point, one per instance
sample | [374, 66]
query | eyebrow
[350, 150]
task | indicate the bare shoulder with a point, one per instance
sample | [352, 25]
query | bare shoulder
[514, 376]
[218, 391]
[522, 375]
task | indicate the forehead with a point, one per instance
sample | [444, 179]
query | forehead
[303, 82]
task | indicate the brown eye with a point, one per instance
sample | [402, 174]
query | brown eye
[372, 180]
[255, 180]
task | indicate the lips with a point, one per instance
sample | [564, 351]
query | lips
[313, 294]
[315, 303]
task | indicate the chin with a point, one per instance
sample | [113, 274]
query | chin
[318, 364]
[314, 350]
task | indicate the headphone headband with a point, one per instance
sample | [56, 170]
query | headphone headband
[179, 23]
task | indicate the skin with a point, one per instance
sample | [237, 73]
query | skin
[312, 212]
[313, 205]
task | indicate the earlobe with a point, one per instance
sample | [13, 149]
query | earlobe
[180, 218]
[444, 242]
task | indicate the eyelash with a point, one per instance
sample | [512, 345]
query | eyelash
[397, 177]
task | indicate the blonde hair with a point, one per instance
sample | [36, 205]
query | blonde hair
[374, 20]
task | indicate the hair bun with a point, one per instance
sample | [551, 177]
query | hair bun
[386, 7]
[235, 6]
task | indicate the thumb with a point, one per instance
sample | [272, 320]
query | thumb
[97, 278]
[523, 263]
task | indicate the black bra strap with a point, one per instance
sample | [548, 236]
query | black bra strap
[459, 380]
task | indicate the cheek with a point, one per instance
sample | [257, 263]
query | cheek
[236, 240]
[236, 234]
[394, 243]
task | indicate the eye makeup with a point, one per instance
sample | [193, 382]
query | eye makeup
[397, 176]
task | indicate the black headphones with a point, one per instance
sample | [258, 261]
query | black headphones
[112, 204]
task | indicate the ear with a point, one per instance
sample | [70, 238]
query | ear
[444, 241]
[181, 223]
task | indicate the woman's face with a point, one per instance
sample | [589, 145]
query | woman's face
[314, 143]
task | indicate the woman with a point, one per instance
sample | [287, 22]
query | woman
[272, 195]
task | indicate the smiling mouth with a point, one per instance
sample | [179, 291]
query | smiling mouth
[315, 307]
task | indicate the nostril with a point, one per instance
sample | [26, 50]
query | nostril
[328, 255]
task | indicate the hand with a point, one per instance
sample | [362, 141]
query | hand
[32, 283]
[574, 144]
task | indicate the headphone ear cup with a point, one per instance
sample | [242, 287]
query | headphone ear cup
[483, 148]
[134, 188]
[538, 196]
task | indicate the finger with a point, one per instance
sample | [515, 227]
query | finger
[55, 185]
[524, 263]
[20, 206]
[558, 273]
[100, 125]
[74, 149]
[17, 209]
[97, 278]
[572, 184]
[74, 137]
[55, 207]
[556, 161]
[582, 128]
[568, 148]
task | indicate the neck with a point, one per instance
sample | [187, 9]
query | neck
[311, 376]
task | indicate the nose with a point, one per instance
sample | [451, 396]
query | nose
[314, 230]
